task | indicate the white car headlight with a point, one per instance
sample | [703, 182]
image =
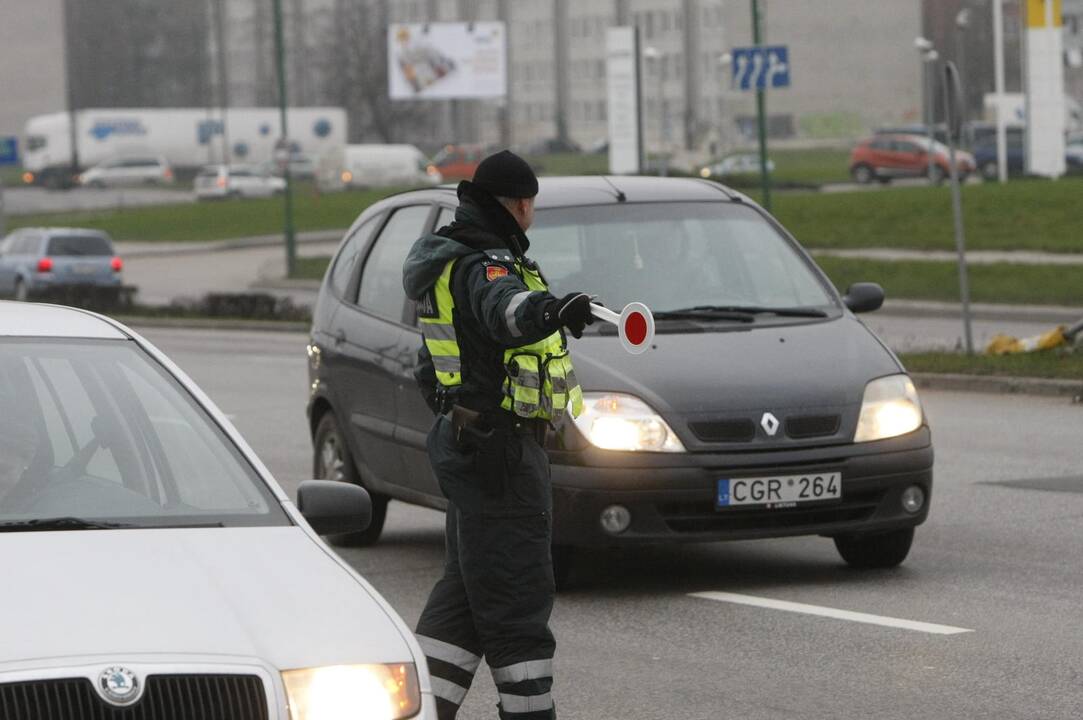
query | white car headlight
[890, 408]
[342, 692]
[614, 421]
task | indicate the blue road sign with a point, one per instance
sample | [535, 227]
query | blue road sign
[758, 68]
[9, 150]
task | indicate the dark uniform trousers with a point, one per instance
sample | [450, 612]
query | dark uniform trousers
[496, 593]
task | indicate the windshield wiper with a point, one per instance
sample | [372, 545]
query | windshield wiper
[60, 523]
[705, 312]
[748, 310]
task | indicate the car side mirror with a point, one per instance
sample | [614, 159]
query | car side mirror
[863, 297]
[332, 507]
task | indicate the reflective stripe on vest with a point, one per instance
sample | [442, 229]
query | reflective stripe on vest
[539, 380]
[439, 333]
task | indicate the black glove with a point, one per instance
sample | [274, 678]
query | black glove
[571, 311]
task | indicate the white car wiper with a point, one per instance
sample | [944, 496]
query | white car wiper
[60, 523]
[750, 310]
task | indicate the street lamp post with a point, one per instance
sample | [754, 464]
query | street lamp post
[724, 62]
[929, 56]
[655, 55]
[962, 22]
[280, 53]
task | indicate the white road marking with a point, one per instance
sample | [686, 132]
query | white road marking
[831, 613]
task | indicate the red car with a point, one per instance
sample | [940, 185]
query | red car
[458, 162]
[885, 157]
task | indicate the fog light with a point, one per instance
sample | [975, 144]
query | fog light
[615, 519]
[913, 499]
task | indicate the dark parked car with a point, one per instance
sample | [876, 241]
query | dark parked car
[765, 408]
[39, 261]
[985, 157]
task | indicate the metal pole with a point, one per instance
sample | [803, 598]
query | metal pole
[951, 84]
[223, 77]
[280, 61]
[73, 128]
[998, 71]
[761, 113]
[663, 156]
[930, 111]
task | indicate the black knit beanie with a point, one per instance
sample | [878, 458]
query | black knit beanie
[505, 174]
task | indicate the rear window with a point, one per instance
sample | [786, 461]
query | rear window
[79, 245]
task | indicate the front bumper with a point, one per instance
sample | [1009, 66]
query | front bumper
[671, 497]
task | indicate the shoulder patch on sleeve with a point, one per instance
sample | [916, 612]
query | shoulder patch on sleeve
[492, 272]
[426, 306]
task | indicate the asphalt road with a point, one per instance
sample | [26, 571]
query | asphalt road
[999, 558]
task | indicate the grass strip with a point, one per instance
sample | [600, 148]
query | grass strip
[310, 268]
[993, 283]
[1047, 364]
[218, 220]
[1020, 215]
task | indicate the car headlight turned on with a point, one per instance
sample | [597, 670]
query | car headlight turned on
[890, 408]
[614, 421]
[348, 692]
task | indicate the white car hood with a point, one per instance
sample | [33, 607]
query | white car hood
[264, 592]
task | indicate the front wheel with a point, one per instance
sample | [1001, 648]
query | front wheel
[875, 550]
[332, 461]
[937, 174]
[863, 174]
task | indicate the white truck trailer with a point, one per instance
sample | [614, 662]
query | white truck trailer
[187, 137]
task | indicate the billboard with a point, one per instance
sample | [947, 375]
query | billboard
[447, 61]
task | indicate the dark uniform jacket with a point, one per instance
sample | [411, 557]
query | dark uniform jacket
[484, 284]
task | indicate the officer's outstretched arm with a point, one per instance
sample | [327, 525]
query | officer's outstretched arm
[510, 313]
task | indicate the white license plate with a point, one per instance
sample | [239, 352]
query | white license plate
[778, 492]
[85, 269]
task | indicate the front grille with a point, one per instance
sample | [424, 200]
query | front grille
[724, 431]
[166, 697]
[810, 426]
[702, 517]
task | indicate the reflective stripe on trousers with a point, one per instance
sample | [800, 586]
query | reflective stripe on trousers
[525, 703]
[453, 654]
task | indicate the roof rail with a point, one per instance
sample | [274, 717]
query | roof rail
[721, 188]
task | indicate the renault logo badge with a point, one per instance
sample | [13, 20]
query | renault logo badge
[119, 686]
[769, 423]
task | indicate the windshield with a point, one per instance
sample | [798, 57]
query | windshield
[97, 430]
[78, 245]
[673, 256]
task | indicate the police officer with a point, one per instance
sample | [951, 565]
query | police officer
[495, 369]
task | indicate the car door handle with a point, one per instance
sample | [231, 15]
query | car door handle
[340, 337]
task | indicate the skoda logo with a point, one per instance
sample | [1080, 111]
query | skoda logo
[769, 423]
[118, 685]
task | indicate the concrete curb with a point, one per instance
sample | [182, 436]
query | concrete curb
[1047, 387]
[285, 284]
[215, 324]
[1052, 314]
[139, 249]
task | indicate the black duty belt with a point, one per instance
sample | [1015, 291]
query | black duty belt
[471, 425]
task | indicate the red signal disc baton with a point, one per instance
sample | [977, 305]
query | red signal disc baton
[635, 325]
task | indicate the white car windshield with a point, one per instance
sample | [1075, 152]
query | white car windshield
[674, 256]
[99, 432]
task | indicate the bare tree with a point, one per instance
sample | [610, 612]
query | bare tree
[353, 68]
[137, 53]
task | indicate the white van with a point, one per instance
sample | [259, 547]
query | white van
[384, 165]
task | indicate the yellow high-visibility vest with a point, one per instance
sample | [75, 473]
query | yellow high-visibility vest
[539, 380]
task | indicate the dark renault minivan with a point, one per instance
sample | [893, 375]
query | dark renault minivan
[764, 407]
